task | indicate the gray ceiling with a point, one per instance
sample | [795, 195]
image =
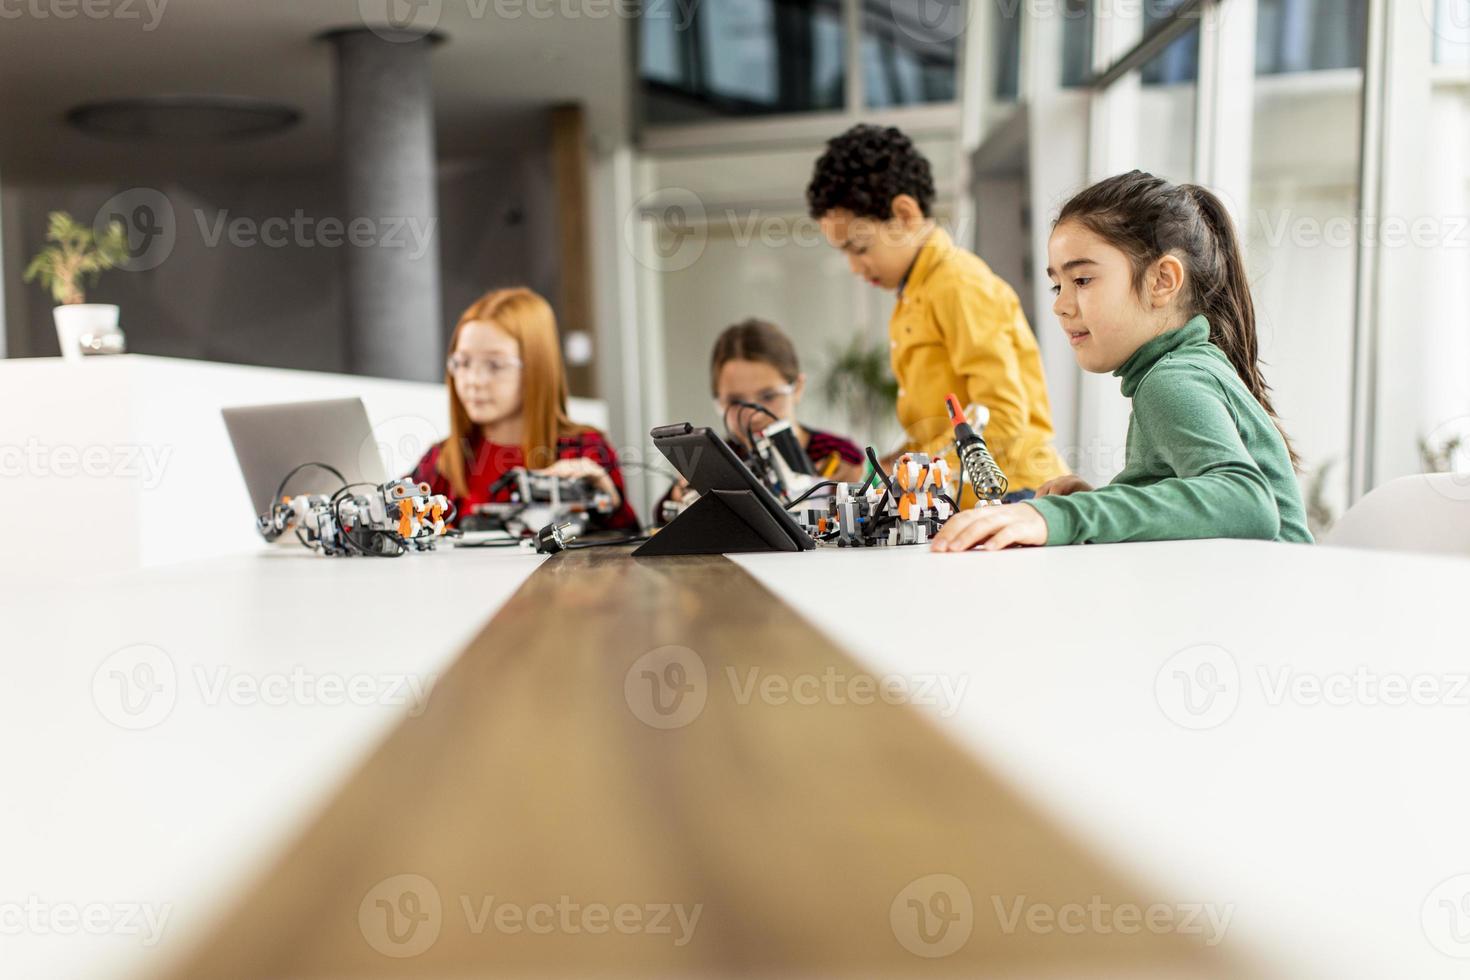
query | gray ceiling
[504, 61]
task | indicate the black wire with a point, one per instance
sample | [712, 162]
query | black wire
[754, 407]
[960, 494]
[629, 539]
[287, 478]
[811, 490]
[888, 492]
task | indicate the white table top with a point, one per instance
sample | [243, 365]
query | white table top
[273, 675]
[1323, 831]
[1325, 822]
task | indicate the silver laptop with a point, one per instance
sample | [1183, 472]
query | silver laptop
[272, 440]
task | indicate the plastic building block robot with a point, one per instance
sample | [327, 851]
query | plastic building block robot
[538, 501]
[387, 520]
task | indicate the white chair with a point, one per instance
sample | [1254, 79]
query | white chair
[1426, 513]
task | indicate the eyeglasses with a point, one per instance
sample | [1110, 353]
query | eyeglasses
[463, 366]
[768, 397]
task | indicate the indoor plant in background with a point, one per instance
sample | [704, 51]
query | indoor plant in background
[77, 255]
[860, 381]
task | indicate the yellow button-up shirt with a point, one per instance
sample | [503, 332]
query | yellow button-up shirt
[959, 328]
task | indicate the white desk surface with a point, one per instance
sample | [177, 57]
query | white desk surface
[178, 815]
[1324, 829]
[1329, 828]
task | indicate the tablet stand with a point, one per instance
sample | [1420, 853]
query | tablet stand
[720, 522]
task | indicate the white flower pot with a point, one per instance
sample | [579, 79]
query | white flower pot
[88, 328]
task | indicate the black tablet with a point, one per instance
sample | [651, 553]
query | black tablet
[713, 469]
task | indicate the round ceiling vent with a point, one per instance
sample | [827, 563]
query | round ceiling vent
[183, 119]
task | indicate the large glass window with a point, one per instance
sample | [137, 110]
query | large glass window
[1309, 35]
[731, 58]
[1303, 228]
[908, 51]
[1452, 32]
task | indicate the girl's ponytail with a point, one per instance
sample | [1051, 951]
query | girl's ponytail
[1225, 300]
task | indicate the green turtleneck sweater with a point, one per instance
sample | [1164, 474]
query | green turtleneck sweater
[1204, 460]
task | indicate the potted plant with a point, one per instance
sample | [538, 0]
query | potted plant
[77, 255]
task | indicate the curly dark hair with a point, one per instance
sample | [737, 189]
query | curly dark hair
[864, 169]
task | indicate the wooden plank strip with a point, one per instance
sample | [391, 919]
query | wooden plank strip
[614, 750]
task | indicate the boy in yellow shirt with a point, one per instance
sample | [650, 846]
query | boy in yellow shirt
[958, 327]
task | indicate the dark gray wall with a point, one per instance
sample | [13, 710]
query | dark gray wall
[215, 299]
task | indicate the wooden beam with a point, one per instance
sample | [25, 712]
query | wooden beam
[573, 221]
[637, 733]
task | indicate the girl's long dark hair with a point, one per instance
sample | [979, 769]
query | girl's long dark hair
[1147, 218]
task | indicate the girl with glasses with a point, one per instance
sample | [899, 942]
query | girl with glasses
[508, 410]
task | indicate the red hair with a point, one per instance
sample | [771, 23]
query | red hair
[529, 320]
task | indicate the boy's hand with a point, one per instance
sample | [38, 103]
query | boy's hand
[993, 528]
[1062, 485]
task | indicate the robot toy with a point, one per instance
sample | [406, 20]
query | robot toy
[538, 501]
[387, 520]
[909, 508]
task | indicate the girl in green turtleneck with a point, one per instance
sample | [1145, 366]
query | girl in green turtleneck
[1150, 285]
